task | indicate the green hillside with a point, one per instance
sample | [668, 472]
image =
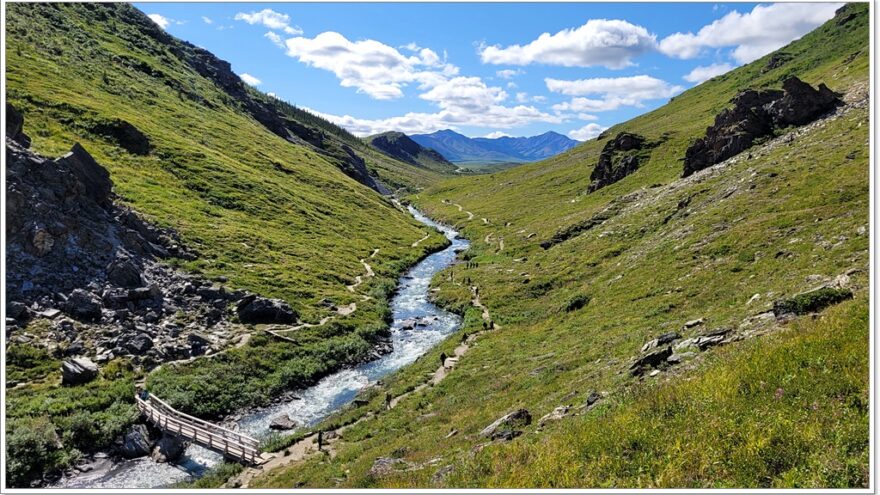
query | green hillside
[782, 403]
[399, 146]
[278, 217]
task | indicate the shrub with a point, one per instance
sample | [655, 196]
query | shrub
[577, 302]
[812, 301]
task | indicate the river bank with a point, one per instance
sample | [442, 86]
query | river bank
[418, 325]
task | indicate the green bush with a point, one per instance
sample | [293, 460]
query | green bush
[812, 301]
[577, 302]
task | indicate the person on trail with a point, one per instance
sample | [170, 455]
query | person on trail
[443, 359]
[388, 401]
[320, 439]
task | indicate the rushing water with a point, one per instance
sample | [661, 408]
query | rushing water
[317, 402]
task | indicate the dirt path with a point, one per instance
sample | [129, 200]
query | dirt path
[360, 279]
[307, 447]
[415, 244]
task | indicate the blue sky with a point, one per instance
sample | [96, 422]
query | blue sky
[484, 69]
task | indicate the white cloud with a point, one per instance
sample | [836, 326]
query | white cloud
[586, 132]
[275, 38]
[613, 92]
[587, 116]
[370, 66]
[599, 42]
[271, 94]
[522, 97]
[706, 72]
[159, 19]
[512, 85]
[462, 101]
[249, 79]
[207, 20]
[496, 135]
[508, 73]
[270, 19]
[754, 34]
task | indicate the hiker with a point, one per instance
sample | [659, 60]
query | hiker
[443, 359]
[320, 439]
[388, 401]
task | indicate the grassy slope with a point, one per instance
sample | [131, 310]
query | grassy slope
[296, 234]
[758, 226]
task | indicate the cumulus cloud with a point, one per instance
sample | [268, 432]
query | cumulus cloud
[586, 132]
[270, 19]
[249, 79]
[496, 135]
[159, 19]
[599, 42]
[207, 20]
[508, 73]
[372, 67]
[706, 72]
[462, 101]
[612, 92]
[754, 34]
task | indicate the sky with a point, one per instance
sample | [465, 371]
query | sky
[490, 69]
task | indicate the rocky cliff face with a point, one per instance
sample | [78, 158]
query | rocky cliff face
[757, 114]
[620, 157]
[94, 270]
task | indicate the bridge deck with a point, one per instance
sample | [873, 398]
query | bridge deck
[214, 437]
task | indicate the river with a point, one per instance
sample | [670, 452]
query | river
[316, 402]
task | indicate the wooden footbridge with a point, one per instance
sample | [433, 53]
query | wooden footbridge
[231, 444]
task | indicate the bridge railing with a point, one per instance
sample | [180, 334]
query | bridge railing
[213, 436]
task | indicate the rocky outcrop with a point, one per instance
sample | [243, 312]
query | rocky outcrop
[72, 250]
[77, 371]
[124, 134]
[15, 126]
[505, 427]
[620, 157]
[757, 114]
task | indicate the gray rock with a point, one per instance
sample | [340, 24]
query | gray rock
[140, 344]
[555, 415]
[77, 371]
[650, 360]
[135, 443]
[500, 428]
[17, 310]
[123, 272]
[83, 305]
[255, 309]
[282, 422]
[168, 449]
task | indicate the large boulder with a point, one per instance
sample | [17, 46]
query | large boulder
[123, 272]
[83, 305]
[255, 309]
[140, 344]
[649, 360]
[78, 370]
[282, 422]
[169, 448]
[135, 443]
[505, 427]
[94, 178]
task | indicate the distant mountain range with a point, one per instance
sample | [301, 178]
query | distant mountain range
[461, 149]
